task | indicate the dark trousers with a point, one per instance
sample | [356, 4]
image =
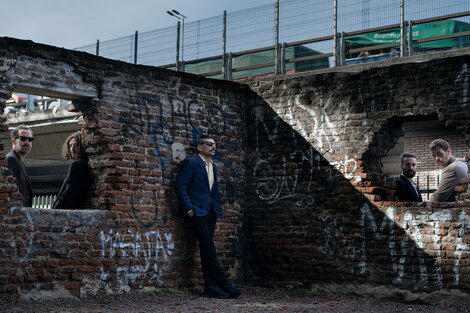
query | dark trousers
[203, 227]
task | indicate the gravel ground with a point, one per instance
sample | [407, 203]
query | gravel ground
[254, 299]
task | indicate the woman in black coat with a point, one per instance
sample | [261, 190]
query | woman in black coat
[73, 193]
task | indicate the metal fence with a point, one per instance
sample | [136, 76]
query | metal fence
[427, 184]
[43, 202]
[297, 35]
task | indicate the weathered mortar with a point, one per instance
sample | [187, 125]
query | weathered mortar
[139, 123]
[313, 210]
[299, 167]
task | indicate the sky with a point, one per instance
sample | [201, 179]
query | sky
[72, 24]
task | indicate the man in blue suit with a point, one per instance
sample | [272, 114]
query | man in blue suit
[198, 193]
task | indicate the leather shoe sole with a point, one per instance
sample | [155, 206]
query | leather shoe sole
[235, 293]
[215, 292]
[216, 295]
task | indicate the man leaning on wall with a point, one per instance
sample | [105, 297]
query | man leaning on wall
[452, 173]
[198, 193]
[22, 142]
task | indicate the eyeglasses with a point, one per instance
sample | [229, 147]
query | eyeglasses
[24, 138]
[209, 143]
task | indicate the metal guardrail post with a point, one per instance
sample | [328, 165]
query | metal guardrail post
[342, 53]
[229, 66]
[136, 37]
[337, 50]
[224, 42]
[178, 46]
[410, 37]
[283, 58]
[97, 47]
[276, 52]
[335, 32]
[427, 185]
[402, 29]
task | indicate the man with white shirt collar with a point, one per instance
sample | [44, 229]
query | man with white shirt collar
[198, 194]
[407, 190]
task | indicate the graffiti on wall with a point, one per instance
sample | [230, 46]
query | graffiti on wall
[280, 179]
[287, 185]
[158, 121]
[139, 256]
[409, 252]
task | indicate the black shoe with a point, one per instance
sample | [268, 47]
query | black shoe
[235, 292]
[232, 291]
[215, 292]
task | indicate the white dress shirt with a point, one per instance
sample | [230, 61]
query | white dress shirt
[210, 172]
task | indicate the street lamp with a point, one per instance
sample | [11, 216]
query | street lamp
[181, 17]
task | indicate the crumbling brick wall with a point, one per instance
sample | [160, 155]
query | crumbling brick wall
[317, 207]
[299, 170]
[139, 123]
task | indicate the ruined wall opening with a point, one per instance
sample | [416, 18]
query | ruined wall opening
[412, 134]
[52, 119]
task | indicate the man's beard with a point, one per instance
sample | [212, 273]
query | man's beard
[409, 174]
[24, 150]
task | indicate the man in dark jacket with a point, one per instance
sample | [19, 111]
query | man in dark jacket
[407, 190]
[73, 193]
[198, 194]
[22, 142]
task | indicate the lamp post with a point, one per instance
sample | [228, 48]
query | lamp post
[181, 17]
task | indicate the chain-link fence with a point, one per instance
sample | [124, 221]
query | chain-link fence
[297, 35]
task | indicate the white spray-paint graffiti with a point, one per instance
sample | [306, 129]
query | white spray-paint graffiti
[148, 252]
[403, 249]
[347, 167]
[318, 129]
[324, 134]
[461, 246]
[273, 189]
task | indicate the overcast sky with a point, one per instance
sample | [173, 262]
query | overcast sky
[71, 24]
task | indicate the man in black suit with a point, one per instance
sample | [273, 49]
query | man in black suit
[22, 142]
[407, 190]
[198, 193]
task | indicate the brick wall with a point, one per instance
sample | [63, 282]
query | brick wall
[318, 209]
[139, 123]
[299, 169]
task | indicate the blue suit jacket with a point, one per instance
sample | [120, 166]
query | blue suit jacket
[192, 188]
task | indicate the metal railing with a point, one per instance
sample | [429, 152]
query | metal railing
[43, 202]
[428, 191]
[426, 188]
[292, 35]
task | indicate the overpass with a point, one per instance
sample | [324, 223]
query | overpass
[51, 126]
